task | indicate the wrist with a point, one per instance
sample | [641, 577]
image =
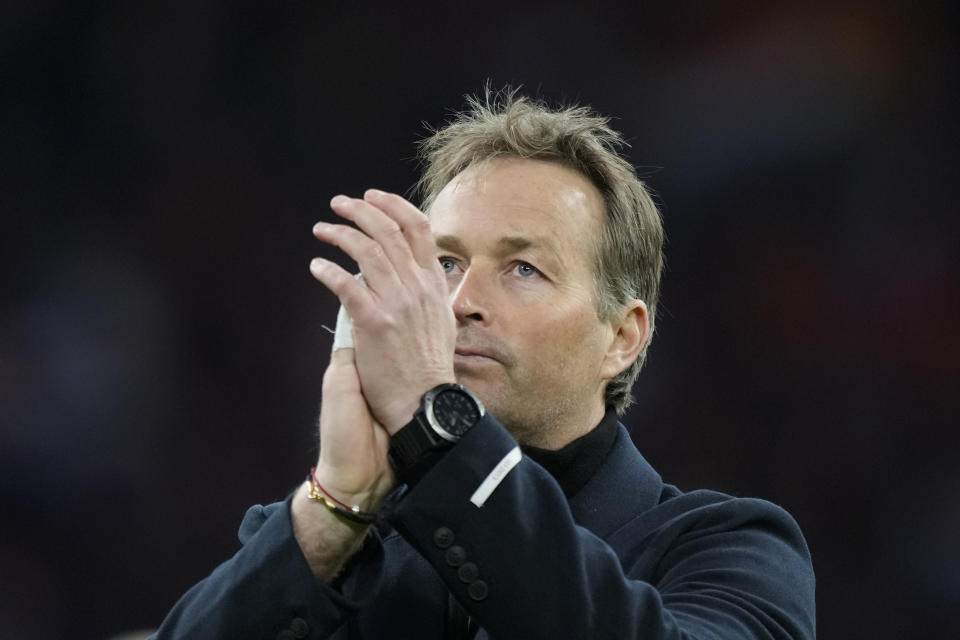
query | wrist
[327, 542]
[403, 413]
[358, 495]
[350, 513]
[401, 416]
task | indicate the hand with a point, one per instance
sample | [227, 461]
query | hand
[353, 465]
[404, 328]
[353, 468]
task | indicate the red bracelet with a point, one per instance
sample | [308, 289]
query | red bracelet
[352, 513]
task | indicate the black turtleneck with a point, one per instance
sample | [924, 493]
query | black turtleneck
[573, 465]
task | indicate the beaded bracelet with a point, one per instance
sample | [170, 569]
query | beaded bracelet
[342, 509]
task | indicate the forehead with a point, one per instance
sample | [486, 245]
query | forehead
[520, 197]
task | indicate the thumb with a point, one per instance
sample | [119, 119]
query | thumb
[341, 374]
[342, 356]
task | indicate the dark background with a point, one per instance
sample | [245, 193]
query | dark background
[161, 166]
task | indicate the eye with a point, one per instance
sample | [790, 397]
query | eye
[526, 270]
[447, 264]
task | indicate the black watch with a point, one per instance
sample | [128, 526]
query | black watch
[447, 412]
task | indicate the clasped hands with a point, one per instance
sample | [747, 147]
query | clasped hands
[404, 334]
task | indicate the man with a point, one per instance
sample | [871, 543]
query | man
[531, 281]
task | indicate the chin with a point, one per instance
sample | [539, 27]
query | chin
[497, 402]
[477, 384]
[479, 389]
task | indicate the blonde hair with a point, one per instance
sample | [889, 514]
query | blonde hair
[629, 251]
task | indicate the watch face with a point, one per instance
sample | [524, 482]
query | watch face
[455, 411]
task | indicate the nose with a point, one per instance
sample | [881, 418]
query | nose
[470, 299]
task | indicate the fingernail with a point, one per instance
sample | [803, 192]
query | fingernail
[374, 193]
[320, 227]
[339, 200]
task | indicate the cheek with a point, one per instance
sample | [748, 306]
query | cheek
[556, 346]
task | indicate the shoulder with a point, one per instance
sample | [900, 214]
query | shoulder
[705, 509]
[746, 548]
[705, 514]
[708, 530]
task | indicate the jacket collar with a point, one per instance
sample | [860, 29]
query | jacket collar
[623, 487]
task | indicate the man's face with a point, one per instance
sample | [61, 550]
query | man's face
[516, 239]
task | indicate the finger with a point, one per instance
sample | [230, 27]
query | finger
[333, 380]
[377, 269]
[355, 298]
[381, 228]
[414, 224]
[343, 357]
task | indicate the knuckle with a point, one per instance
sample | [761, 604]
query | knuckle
[337, 278]
[373, 251]
[393, 232]
[420, 224]
[381, 323]
[350, 295]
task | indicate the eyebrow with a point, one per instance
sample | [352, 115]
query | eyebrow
[506, 243]
[450, 243]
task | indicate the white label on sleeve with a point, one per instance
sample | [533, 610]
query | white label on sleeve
[495, 477]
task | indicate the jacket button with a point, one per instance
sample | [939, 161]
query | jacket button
[443, 537]
[300, 628]
[468, 572]
[478, 590]
[456, 555]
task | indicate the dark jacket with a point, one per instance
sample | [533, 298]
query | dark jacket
[627, 556]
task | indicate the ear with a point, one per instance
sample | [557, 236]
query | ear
[630, 331]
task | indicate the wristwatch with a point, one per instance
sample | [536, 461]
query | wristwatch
[447, 412]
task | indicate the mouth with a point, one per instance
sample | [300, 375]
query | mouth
[469, 353]
[471, 356]
[475, 349]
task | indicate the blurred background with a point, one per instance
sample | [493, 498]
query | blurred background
[161, 349]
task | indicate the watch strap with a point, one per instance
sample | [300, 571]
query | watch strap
[409, 444]
[416, 447]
